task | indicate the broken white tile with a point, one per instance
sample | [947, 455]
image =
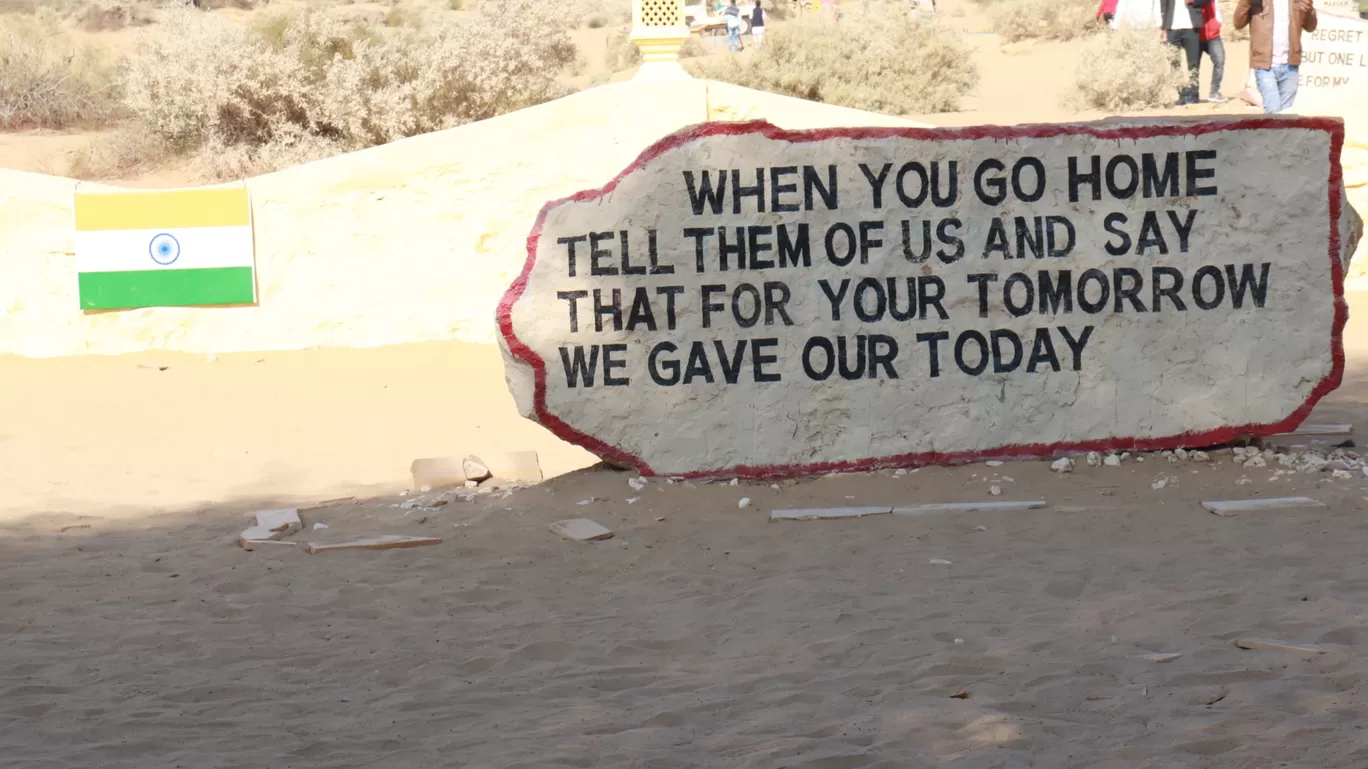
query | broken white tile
[1320, 429]
[969, 507]
[581, 529]
[1162, 657]
[822, 513]
[285, 520]
[385, 542]
[1279, 646]
[1233, 506]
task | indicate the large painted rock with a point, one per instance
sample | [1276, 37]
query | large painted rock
[750, 301]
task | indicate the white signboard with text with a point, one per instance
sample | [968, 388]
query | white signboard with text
[750, 301]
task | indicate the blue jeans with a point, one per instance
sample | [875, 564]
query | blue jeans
[1277, 87]
[733, 39]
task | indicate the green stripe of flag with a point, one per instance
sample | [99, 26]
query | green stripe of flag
[166, 288]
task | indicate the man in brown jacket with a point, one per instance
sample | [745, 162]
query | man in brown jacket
[1275, 28]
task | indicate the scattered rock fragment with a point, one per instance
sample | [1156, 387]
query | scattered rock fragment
[899, 473]
[960, 695]
[1112, 460]
[637, 484]
[1062, 465]
[1159, 484]
[1094, 459]
[995, 490]
[1200, 456]
[1342, 475]
[581, 529]
[993, 463]
[385, 542]
[71, 526]
[1257, 461]
[744, 503]
[940, 562]
[475, 469]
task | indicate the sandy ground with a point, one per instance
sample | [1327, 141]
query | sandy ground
[701, 636]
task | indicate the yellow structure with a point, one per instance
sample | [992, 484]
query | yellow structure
[659, 31]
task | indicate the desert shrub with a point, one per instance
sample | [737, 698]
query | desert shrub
[304, 85]
[1050, 19]
[597, 21]
[121, 153]
[455, 5]
[878, 57]
[1126, 70]
[113, 14]
[49, 80]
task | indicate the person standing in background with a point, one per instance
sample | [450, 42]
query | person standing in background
[1181, 21]
[732, 15]
[1213, 47]
[758, 25]
[1275, 28]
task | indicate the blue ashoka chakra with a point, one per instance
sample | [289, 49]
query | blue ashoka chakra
[164, 249]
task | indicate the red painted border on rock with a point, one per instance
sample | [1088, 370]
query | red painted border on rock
[618, 456]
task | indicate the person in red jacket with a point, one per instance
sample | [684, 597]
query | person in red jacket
[1213, 47]
[1106, 11]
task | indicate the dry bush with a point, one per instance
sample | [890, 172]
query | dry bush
[878, 57]
[122, 153]
[113, 14]
[304, 86]
[1125, 70]
[1049, 19]
[49, 80]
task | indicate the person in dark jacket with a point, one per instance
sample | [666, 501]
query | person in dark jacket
[758, 25]
[1182, 23]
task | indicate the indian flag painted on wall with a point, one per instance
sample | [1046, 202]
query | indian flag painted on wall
[169, 248]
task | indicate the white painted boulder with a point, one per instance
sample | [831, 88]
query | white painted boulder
[748, 301]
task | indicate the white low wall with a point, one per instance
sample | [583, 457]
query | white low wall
[409, 242]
